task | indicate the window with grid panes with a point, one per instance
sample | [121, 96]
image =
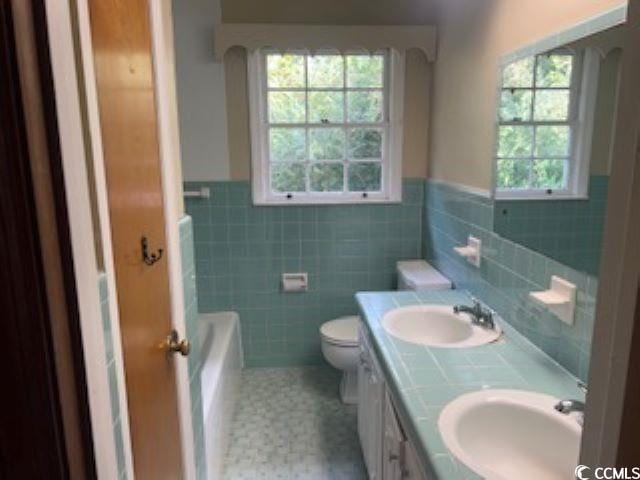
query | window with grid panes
[325, 128]
[538, 125]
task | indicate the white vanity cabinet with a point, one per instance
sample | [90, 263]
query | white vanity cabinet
[387, 452]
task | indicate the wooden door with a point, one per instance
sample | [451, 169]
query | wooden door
[121, 38]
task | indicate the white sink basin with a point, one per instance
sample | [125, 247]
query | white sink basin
[437, 326]
[508, 434]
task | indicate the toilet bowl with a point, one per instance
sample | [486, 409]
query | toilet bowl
[340, 349]
[340, 336]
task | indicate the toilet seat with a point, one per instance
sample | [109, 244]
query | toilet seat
[342, 332]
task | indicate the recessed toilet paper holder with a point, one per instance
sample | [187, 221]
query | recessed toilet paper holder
[295, 282]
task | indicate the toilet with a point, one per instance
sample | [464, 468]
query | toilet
[340, 348]
[339, 337]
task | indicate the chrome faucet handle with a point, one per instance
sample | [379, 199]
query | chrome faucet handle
[489, 318]
[477, 307]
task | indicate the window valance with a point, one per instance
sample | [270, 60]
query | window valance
[312, 38]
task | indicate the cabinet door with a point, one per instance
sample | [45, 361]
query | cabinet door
[370, 404]
[387, 453]
[412, 468]
[376, 392]
[392, 448]
[364, 406]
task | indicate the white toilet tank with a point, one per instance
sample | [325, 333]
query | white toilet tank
[418, 275]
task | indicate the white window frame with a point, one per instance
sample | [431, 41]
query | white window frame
[391, 182]
[584, 90]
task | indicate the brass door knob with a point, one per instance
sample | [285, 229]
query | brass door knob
[174, 345]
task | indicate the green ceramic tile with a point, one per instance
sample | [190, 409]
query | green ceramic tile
[549, 226]
[487, 359]
[343, 248]
[113, 391]
[120, 458]
[428, 429]
[103, 287]
[186, 227]
[510, 270]
[106, 329]
[427, 377]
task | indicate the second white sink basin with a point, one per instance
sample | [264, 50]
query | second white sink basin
[509, 434]
[436, 325]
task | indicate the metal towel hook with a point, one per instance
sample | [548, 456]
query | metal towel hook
[149, 258]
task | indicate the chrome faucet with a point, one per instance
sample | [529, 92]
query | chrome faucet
[569, 406]
[479, 315]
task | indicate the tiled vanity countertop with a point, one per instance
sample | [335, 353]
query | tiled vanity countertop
[424, 379]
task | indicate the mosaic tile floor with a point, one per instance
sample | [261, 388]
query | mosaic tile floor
[290, 425]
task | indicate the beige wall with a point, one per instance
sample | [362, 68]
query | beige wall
[201, 92]
[331, 12]
[416, 114]
[235, 74]
[472, 37]
[417, 107]
[214, 112]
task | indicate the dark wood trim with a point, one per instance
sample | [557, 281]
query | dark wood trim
[30, 413]
[33, 435]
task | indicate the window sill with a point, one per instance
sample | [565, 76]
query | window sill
[529, 196]
[283, 201]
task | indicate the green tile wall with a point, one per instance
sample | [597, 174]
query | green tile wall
[191, 323]
[241, 251]
[569, 231]
[507, 274]
[113, 378]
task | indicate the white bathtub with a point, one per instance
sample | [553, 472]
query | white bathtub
[222, 362]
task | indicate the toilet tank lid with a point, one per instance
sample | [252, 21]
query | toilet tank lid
[420, 274]
[341, 331]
